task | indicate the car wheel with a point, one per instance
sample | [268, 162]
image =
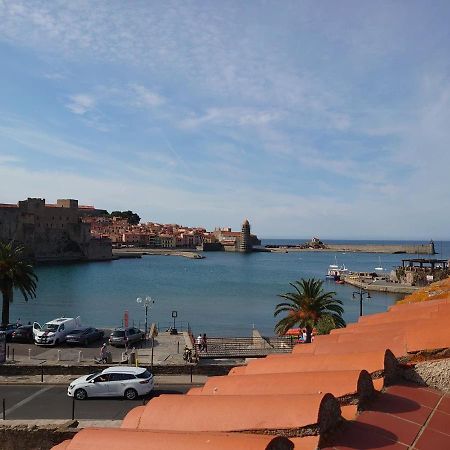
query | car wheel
[57, 342]
[80, 394]
[130, 394]
[85, 343]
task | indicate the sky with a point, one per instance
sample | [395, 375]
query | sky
[309, 118]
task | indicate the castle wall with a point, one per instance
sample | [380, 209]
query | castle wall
[51, 232]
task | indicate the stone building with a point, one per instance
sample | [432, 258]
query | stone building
[52, 232]
[237, 241]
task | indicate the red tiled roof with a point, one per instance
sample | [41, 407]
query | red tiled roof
[121, 439]
[227, 412]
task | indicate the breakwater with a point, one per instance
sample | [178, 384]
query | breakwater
[392, 249]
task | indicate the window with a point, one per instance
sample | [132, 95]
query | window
[121, 376]
[102, 378]
[144, 375]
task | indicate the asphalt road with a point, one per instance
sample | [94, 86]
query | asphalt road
[51, 402]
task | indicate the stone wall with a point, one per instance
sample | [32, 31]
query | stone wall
[33, 437]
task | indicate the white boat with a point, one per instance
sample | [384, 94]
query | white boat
[380, 269]
[335, 271]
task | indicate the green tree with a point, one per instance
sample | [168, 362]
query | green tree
[15, 273]
[306, 305]
[133, 218]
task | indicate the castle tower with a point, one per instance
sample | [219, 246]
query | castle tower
[245, 244]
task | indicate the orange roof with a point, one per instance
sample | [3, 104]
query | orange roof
[229, 412]
[120, 439]
[338, 383]
[370, 361]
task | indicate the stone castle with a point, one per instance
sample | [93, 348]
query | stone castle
[53, 232]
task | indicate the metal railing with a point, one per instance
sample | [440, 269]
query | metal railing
[235, 347]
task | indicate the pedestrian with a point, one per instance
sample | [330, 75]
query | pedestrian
[104, 354]
[198, 342]
[204, 343]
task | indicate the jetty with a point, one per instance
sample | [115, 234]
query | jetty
[135, 252]
[381, 286]
[409, 249]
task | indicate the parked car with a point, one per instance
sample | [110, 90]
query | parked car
[83, 336]
[23, 333]
[128, 382]
[55, 331]
[128, 336]
[9, 330]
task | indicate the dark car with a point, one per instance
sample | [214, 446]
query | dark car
[83, 336]
[9, 330]
[24, 333]
[128, 336]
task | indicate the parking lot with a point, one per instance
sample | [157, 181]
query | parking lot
[166, 349]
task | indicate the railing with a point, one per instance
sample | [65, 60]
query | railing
[237, 347]
[180, 325]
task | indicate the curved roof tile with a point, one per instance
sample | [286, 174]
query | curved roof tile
[370, 361]
[236, 412]
[339, 383]
[120, 439]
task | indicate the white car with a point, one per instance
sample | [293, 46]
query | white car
[118, 381]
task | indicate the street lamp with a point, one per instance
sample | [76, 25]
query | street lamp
[146, 302]
[361, 294]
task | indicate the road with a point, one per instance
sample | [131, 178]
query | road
[27, 402]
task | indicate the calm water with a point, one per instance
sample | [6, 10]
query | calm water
[225, 294]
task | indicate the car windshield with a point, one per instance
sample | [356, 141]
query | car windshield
[50, 327]
[77, 331]
[92, 375]
[145, 374]
[118, 333]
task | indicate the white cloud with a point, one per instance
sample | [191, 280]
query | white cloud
[44, 142]
[146, 98]
[81, 103]
[238, 116]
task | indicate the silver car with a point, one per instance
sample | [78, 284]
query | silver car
[128, 336]
[128, 382]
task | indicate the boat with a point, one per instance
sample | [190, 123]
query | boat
[380, 268]
[335, 271]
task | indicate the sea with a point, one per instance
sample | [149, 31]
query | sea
[225, 294]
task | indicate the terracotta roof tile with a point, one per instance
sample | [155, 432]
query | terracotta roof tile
[445, 404]
[354, 435]
[120, 439]
[339, 383]
[404, 430]
[370, 361]
[231, 412]
[440, 422]
[433, 440]
[431, 336]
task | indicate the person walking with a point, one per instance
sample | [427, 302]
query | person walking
[198, 342]
[104, 354]
[204, 343]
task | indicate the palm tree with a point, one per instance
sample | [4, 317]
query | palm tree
[15, 273]
[306, 306]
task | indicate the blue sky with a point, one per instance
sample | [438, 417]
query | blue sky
[309, 118]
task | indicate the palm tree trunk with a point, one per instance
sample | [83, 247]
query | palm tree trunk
[7, 298]
[308, 335]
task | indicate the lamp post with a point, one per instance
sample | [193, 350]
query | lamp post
[146, 302]
[361, 293]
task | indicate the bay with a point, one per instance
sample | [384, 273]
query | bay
[225, 294]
